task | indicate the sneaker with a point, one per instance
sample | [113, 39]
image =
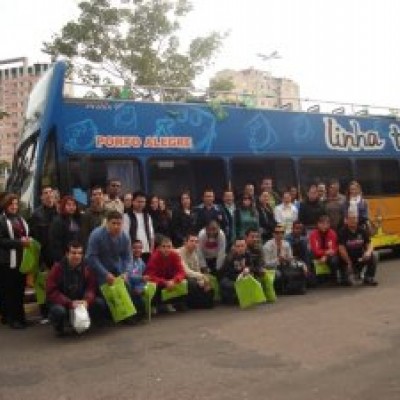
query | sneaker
[153, 311]
[170, 308]
[167, 308]
[44, 321]
[347, 281]
[370, 282]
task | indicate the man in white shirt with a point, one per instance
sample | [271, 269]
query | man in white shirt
[138, 224]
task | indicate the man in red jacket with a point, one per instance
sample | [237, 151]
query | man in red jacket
[71, 283]
[166, 270]
[324, 248]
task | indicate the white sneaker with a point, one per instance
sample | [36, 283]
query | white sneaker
[44, 321]
[169, 308]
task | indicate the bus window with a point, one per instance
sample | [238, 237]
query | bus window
[378, 177]
[127, 171]
[253, 170]
[169, 177]
[100, 170]
[49, 175]
[21, 179]
[314, 170]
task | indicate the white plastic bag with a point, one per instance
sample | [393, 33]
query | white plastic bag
[80, 319]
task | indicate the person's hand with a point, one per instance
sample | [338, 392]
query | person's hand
[246, 271]
[169, 284]
[145, 278]
[367, 255]
[110, 278]
[201, 282]
[330, 252]
[77, 303]
[323, 259]
[26, 241]
[124, 277]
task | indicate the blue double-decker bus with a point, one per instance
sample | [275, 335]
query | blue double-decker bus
[165, 147]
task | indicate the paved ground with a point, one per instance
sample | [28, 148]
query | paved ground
[333, 343]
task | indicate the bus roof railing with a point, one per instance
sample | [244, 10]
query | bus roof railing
[188, 95]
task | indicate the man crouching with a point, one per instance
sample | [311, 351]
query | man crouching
[70, 284]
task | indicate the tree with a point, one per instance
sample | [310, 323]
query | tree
[221, 85]
[138, 44]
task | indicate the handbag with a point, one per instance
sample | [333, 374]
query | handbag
[118, 300]
[249, 291]
[180, 289]
[30, 258]
[267, 283]
[79, 318]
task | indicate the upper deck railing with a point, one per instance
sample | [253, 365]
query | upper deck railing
[157, 94]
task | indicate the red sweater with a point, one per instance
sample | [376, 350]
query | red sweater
[54, 286]
[161, 269]
[319, 246]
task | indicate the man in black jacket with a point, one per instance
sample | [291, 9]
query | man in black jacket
[39, 224]
[95, 215]
[139, 225]
[311, 209]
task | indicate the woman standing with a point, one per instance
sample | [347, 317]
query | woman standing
[246, 216]
[14, 237]
[64, 228]
[286, 213]
[183, 220]
[265, 217]
[356, 204]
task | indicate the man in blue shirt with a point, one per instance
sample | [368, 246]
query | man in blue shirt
[109, 254]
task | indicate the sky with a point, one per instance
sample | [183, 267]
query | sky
[341, 50]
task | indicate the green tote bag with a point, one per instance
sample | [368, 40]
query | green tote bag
[180, 289]
[118, 300]
[30, 258]
[249, 291]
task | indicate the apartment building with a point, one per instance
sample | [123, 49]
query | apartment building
[17, 78]
[260, 89]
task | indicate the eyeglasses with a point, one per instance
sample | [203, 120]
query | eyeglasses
[115, 185]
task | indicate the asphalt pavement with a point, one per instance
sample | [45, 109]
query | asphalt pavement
[332, 343]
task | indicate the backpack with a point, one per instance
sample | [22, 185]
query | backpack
[290, 278]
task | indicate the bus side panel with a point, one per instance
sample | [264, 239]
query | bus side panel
[384, 212]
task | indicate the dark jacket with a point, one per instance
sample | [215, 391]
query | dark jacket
[133, 225]
[61, 234]
[39, 225]
[65, 284]
[7, 244]
[181, 225]
[267, 223]
[310, 211]
[229, 226]
[161, 222]
[256, 257]
[233, 265]
[205, 215]
[91, 219]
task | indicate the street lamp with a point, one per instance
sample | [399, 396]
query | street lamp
[265, 58]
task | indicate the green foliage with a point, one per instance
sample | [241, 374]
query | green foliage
[221, 85]
[138, 44]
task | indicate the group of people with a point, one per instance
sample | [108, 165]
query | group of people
[208, 246]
